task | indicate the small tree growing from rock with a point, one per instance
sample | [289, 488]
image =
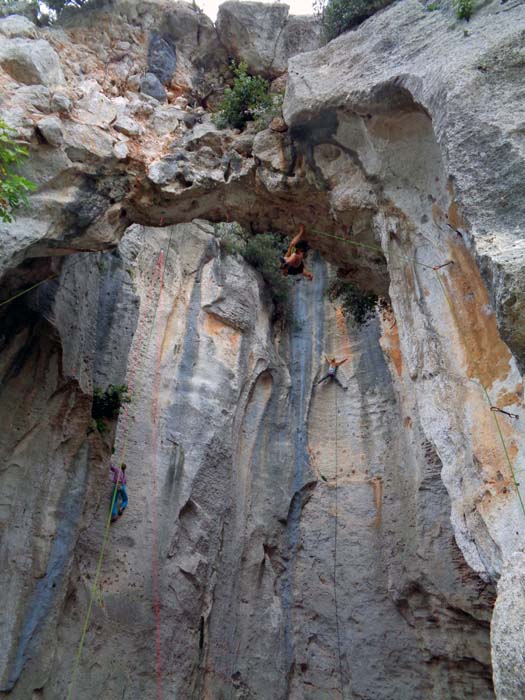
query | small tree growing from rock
[13, 188]
[338, 16]
[247, 99]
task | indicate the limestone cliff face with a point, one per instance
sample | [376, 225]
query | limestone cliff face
[283, 540]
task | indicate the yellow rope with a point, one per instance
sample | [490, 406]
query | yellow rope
[29, 289]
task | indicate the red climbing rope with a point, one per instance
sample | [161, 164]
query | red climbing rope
[336, 527]
[154, 516]
[131, 383]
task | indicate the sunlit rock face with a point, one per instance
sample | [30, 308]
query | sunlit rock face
[284, 540]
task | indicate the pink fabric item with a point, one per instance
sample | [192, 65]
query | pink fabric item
[118, 476]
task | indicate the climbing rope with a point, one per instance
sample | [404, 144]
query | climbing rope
[102, 552]
[370, 246]
[336, 526]
[435, 268]
[159, 270]
[493, 409]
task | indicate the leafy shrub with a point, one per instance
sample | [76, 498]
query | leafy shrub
[232, 237]
[356, 303]
[107, 404]
[463, 8]
[13, 187]
[261, 251]
[338, 16]
[247, 100]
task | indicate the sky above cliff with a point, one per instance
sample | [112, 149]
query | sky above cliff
[297, 7]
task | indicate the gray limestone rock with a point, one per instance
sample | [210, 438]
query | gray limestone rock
[128, 126]
[162, 58]
[151, 85]
[51, 130]
[264, 35]
[273, 150]
[31, 62]
[17, 26]
[507, 631]
[60, 102]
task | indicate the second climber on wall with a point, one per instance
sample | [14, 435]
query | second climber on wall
[333, 365]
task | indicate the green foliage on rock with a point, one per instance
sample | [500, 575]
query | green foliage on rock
[13, 188]
[262, 251]
[338, 16]
[248, 99]
[463, 8]
[357, 304]
[107, 403]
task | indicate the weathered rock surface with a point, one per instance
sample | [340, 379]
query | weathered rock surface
[394, 130]
[31, 61]
[265, 37]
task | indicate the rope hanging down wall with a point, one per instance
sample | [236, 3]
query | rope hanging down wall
[435, 268]
[336, 526]
[138, 359]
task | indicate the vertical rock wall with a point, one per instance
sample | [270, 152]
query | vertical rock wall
[239, 483]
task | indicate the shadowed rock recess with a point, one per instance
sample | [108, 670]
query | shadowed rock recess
[283, 541]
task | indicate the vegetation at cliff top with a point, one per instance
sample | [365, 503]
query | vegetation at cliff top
[248, 99]
[13, 187]
[338, 16]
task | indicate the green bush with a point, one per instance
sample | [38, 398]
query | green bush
[262, 252]
[247, 100]
[13, 187]
[232, 237]
[356, 303]
[107, 404]
[338, 16]
[463, 8]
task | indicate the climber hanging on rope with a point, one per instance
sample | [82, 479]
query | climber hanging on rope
[292, 262]
[118, 493]
[333, 364]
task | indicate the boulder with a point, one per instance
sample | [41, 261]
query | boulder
[51, 130]
[60, 102]
[31, 62]
[151, 85]
[128, 126]
[264, 36]
[273, 150]
[94, 107]
[162, 59]
[17, 26]
[85, 143]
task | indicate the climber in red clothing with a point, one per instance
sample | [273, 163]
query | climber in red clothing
[292, 262]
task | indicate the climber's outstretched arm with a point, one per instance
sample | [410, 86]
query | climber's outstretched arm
[295, 240]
